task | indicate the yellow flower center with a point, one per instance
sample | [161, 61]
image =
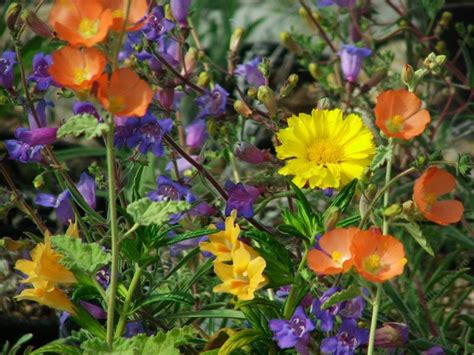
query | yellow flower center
[372, 264]
[325, 152]
[395, 124]
[118, 13]
[88, 28]
[117, 104]
[80, 75]
[430, 199]
[337, 257]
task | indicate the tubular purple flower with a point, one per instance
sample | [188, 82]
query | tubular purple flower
[38, 136]
[196, 133]
[40, 74]
[87, 188]
[353, 308]
[251, 154]
[326, 316]
[157, 24]
[41, 107]
[347, 339]
[168, 189]
[250, 72]
[94, 310]
[85, 107]
[180, 10]
[435, 350]
[7, 62]
[241, 198]
[351, 60]
[391, 335]
[23, 152]
[166, 98]
[212, 103]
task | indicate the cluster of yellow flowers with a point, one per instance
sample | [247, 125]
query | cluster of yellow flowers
[45, 273]
[244, 275]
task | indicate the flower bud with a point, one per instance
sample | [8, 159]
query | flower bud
[408, 207]
[446, 18]
[331, 217]
[289, 43]
[37, 25]
[289, 85]
[190, 59]
[313, 70]
[393, 210]
[391, 335]
[249, 153]
[440, 59]
[324, 104]
[180, 10]
[38, 182]
[264, 67]
[266, 97]
[203, 79]
[166, 98]
[252, 93]
[407, 74]
[11, 16]
[196, 133]
[242, 108]
[236, 39]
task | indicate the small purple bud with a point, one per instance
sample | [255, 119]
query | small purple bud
[196, 133]
[166, 98]
[94, 310]
[85, 107]
[351, 60]
[328, 192]
[391, 335]
[180, 10]
[251, 154]
[435, 350]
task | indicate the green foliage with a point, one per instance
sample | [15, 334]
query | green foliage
[84, 257]
[431, 7]
[343, 198]
[82, 124]
[240, 341]
[341, 296]
[146, 212]
[415, 231]
[15, 347]
[259, 312]
[382, 152]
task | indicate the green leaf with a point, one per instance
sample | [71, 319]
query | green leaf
[145, 211]
[57, 348]
[341, 296]
[209, 313]
[382, 153]
[177, 297]
[24, 339]
[259, 312]
[185, 236]
[86, 257]
[302, 198]
[415, 231]
[432, 7]
[239, 340]
[83, 124]
[343, 198]
[468, 319]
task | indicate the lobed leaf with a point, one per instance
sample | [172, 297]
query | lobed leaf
[145, 211]
[82, 124]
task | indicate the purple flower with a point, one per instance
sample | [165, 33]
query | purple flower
[435, 350]
[328, 192]
[196, 133]
[94, 310]
[62, 203]
[166, 98]
[180, 10]
[341, 3]
[38, 136]
[347, 339]
[212, 103]
[7, 62]
[28, 143]
[283, 291]
[202, 209]
[353, 308]
[157, 24]
[391, 335]
[351, 60]
[293, 333]
[183, 164]
[326, 316]
[103, 277]
[241, 198]
[40, 74]
[85, 108]
[146, 133]
[251, 154]
[133, 328]
[168, 189]
[250, 72]
[40, 113]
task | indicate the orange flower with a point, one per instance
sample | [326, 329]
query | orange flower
[335, 256]
[136, 16]
[80, 22]
[377, 257]
[124, 94]
[433, 183]
[77, 68]
[398, 114]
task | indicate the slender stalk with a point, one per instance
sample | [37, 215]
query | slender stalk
[114, 232]
[126, 305]
[373, 322]
[318, 26]
[121, 35]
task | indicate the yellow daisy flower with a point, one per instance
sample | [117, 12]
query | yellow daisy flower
[324, 149]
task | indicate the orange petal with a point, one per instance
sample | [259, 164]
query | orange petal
[415, 125]
[396, 102]
[445, 212]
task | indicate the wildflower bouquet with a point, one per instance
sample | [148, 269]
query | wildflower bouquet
[181, 202]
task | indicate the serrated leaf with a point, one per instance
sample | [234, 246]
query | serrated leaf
[341, 296]
[145, 211]
[417, 234]
[382, 153]
[86, 257]
[82, 124]
[238, 341]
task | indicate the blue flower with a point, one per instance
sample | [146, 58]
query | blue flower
[146, 133]
[341, 3]
[103, 277]
[293, 333]
[133, 328]
[40, 113]
[7, 62]
[212, 103]
[326, 316]
[353, 308]
[40, 74]
[28, 143]
[241, 198]
[250, 72]
[347, 339]
[351, 60]
[168, 190]
[180, 9]
[85, 108]
[157, 24]
[196, 133]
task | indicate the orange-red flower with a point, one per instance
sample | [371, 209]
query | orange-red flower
[124, 93]
[432, 184]
[335, 255]
[377, 257]
[136, 15]
[398, 114]
[80, 22]
[77, 68]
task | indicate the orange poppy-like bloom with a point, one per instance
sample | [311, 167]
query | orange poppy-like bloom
[136, 15]
[80, 22]
[124, 94]
[377, 257]
[398, 114]
[76, 68]
[432, 184]
[335, 256]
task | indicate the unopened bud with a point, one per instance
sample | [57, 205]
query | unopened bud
[203, 79]
[331, 217]
[264, 67]
[391, 335]
[408, 207]
[190, 59]
[313, 70]
[252, 93]
[393, 210]
[440, 59]
[446, 18]
[242, 108]
[38, 182]
[324, 104]
[289, 43]
[440, 47]
[11, 16]
[37, 25]
[168, 12]
[429, 60]
[166, 98]
[236, 39]
[420, 73]
[407, 74]
[289, 85]
[266, 97]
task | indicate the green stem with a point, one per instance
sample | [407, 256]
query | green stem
[128, 299]
[121, 35]
[373, 323]
[114, 232]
